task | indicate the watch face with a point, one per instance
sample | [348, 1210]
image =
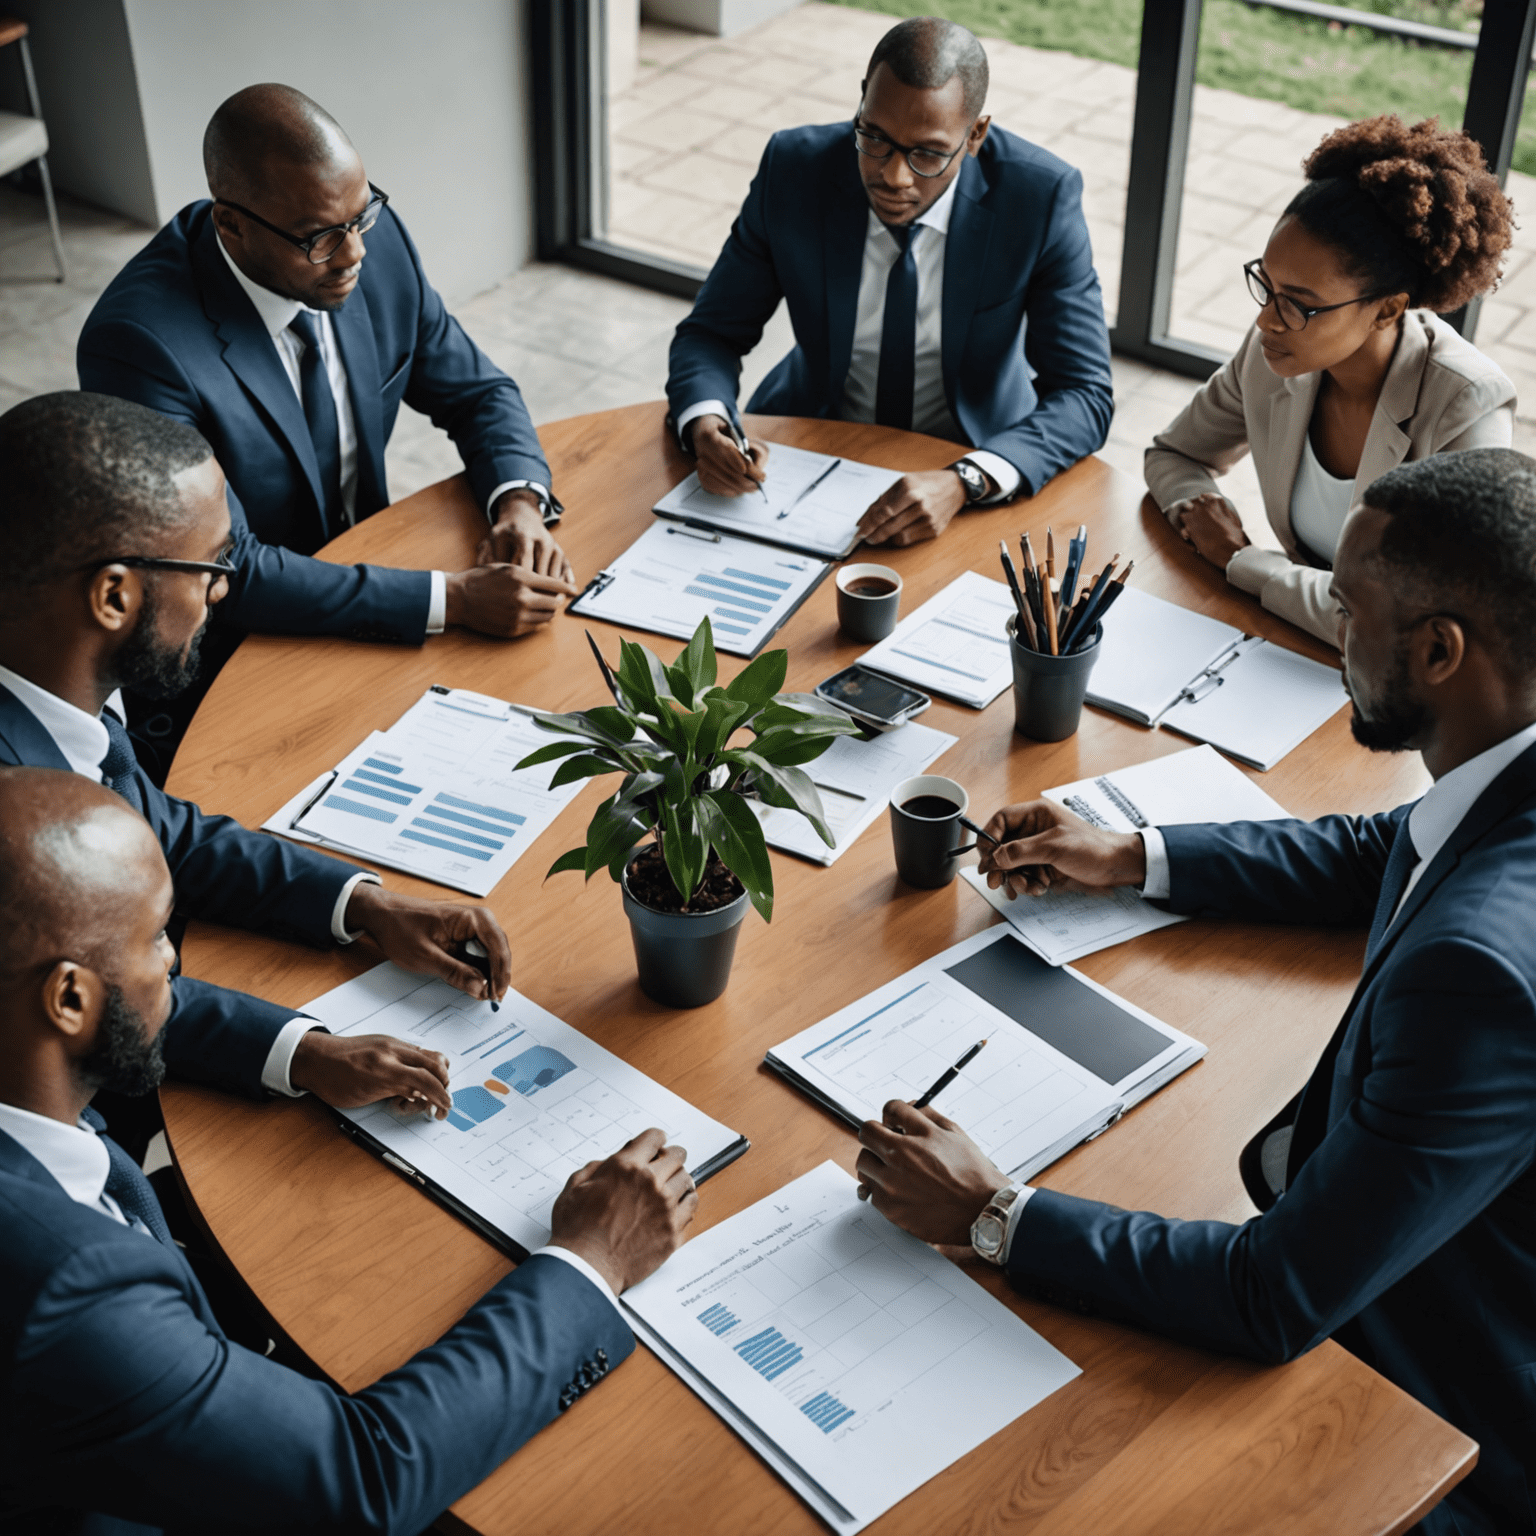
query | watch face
[987, 1233]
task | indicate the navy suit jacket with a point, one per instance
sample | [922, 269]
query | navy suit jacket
[1025, 348]
[223, 873]
[1407, 1230]
[125, 1410]
[174, 331]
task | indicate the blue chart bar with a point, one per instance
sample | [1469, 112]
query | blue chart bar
[762, 581]
[381, 765]
[389, 794]
[493, 811]
[444, 830]
[443, 814]
[357, 808]
[440, 842]
[769, 1353]
[734, 591]
[731, 613]
[366, 772]
[825, 1412]
[718, 1319]
[865, 1020]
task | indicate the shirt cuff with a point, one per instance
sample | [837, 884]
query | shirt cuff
[339, 911]
[1251, 568]
[1013, 1219]
[274, 1075]
[1158, 886]
[512, 485]
[1003, 474]
[577, 1262]
[437, 604]
[703, 408]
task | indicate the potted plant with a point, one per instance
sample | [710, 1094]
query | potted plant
[678, 834]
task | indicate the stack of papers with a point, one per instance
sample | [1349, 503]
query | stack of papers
[855, 778]
[672, 576]
[851, 1357]
[1065, 1057]
[811, 502]
[437, 794]
[1196, 785]
[533, 1101]
[955, 644]
[1164, 665]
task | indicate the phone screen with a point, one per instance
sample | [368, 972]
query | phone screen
[870, 694]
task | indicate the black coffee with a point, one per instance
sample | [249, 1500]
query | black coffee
[930, 807]
[871, 586]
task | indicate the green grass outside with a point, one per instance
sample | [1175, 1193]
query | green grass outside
[1348, 73]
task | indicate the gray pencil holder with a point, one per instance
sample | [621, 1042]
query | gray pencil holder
[1048, 691]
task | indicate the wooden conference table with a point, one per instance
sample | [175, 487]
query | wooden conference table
[361, 1270]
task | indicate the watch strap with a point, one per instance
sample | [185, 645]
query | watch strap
[997, 1208]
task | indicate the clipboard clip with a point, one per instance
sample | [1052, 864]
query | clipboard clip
[599, 583]
[1208, 681]
[693, 531]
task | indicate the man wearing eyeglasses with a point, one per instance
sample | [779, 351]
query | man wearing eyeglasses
[939, 279]
[256, 319]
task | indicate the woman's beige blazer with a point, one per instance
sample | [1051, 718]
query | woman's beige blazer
[1440, 395]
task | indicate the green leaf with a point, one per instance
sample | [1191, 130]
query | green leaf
[759, 680]
[722, 714]
[556, 749]
[802, 742]
[681, 685]
[637, 785]
[586, 725]
[684, 847]
[575, 858]
[643, 677]
[738, 839]
[810, 704]
[788, 787]
[613, 830]
[696, 661]
[587, 766]
[618, 724]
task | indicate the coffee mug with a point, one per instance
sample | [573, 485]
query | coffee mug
[925, 827]
[868, 600]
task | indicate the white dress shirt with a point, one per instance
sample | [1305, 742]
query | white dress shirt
[73, 1154]
[83, 740]
[930, 410]
[277, 314]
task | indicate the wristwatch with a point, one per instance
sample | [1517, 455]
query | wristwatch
[550, 508]
[989, 1232]
[975, 483]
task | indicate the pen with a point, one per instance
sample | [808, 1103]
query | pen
[970, 826]
[1050, 554]
[807, 491]
[744, 448]
[475, 955]
[1011, 574]
[697, 533]
[1075, 554]
[1098, 603]
[1115, 588]
[309, 804]
[948, 1077]
[1084, 619]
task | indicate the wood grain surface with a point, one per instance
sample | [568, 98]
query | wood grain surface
[361, 1270]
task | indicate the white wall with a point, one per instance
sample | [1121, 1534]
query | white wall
[435, 97]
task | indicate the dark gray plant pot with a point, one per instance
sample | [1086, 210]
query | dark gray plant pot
[684, 958]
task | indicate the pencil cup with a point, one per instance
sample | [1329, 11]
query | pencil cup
[868, 600]
[1048, 691]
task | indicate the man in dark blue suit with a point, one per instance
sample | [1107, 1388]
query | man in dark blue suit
[114, 530]
[255, 318]
[127, 1408]
[1399, 1190]
[939, 278]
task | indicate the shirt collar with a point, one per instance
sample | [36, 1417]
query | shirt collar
[936, 218]
[82, 738]
[1432, 821]
[74, 1154]
[275, 312]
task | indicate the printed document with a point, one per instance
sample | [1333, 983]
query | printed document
[437, 794]
[813, 502]
[672, 576]
[1193, 785]
[857, 1362]
[955, 644]
[1064, 1057]
[533, 1101]
[855, 778]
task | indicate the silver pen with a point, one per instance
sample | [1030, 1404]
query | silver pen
[811, 487]
[744, 448]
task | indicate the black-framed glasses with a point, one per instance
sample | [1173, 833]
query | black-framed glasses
[923, 162]
[324, 243]
[221, 565]
[1293, 314]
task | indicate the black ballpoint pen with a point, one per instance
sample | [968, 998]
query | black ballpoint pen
[475, 954]
[744, 448]
[948, 1077]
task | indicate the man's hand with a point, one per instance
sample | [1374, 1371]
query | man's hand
[1043, 847]
[1210, 522]
[627, 1214]
[505, 600]
[722, 470]
[917, 507]
[925, 1174]
[348, 1071]
[421, 936]
[518, 537]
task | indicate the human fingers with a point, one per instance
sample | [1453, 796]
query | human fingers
[546, 583]
[493, 939]
[882, 509]
[639, 1150]
[905, 1119]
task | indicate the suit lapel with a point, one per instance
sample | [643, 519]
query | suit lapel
[251, 357]
[965, 259]
[1387, 444]
[353, 326]
[845, 221]
[1290, 416]
[24, 739]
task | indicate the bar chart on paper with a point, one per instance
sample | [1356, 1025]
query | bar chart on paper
[853, 1356]
[671, 577]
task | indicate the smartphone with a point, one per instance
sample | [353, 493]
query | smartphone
[872, 699]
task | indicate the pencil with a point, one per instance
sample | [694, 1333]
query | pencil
[1084, 620]
[948, 1077]
[1050, 621]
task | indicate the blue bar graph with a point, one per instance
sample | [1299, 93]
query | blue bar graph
[381, 765]
[762, 581]
[378, 794]
[494, 812]
[732, 591]
[438, 842]
[443, 814]
[825, 1412]
[442, 829]
[769, 1353]
[718, 1319]
[370, 777]
[357, 808]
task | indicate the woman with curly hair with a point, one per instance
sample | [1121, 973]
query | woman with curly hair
[1349, 370]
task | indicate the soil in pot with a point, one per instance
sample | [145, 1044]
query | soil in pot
[650, 883]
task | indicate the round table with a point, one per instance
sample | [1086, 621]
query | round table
[360, 1269]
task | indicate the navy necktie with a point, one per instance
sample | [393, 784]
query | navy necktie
[127, 1185]
[898, 334]
[320, 413]
[118, 766]
[1400, 864]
